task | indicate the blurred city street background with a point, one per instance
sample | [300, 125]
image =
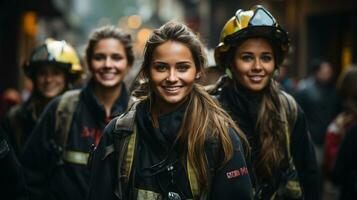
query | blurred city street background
[318, 28]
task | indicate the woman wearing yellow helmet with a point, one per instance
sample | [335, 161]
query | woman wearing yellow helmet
[282, 163]
[52, 66]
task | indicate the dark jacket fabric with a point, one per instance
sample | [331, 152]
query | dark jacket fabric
[155, 152]
[344, 172]
[19, 123]
[321, 104]
[47, 174]
[243, 107]
[12, 181]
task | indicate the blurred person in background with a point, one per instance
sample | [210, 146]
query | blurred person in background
[12, 181]
[56, 155]
[286, 82]
[9, 98]
[319, 99]
[51, 67]
[344, 124]
[282, 163]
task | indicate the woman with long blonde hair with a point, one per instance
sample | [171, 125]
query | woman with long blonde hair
[176, 142]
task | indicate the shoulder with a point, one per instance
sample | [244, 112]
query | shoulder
[15, 111]
[70, 96]
[216, 88]
[233, 136]
[125, 122]
[236, 141]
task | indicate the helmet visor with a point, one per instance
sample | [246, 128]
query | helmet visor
[260, 18]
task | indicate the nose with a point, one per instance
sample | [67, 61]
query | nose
[172, 76]
[108, 62]
[49, 77]
[257, 65]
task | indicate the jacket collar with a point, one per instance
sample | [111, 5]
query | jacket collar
[97, 109]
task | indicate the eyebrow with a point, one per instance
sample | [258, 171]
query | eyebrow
[181, 62]
[249, 52]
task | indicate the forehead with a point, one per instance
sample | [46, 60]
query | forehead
[48, 67]
[255, 45]
[172, 50]
[108, 44]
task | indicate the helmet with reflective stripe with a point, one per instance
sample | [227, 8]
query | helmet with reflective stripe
[256, 22]
[57, 53]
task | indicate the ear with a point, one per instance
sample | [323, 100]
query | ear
[198, 75]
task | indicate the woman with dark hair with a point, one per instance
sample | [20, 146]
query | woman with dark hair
[56, 155]
[176, 142]
[283, 163]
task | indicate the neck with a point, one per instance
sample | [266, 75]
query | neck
[40, 102]
[107, 96]
[163, 108]
[160, 108]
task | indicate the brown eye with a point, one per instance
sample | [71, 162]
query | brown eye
[98, 57]
[266, 58]
[117, 57]
[183, 67]
[160, 67]
[246, 57]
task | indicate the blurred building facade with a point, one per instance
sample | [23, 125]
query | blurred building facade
[318, 28]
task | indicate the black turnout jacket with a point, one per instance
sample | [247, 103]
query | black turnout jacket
[47, 174]
[12, 181]
[243, 105]
[154, 152]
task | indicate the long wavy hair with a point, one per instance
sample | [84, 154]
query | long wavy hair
[270, 125]
[270, 128]
[203, 117]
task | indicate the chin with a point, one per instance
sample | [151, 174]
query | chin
[50, 96]
[256, 89]
[172, 100]
[109, 84]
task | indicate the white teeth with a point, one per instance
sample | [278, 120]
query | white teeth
[107, 75]
[256, 78]
[172, 88]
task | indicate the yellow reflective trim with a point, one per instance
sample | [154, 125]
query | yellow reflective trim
[273, 196]
[294, 188]
[147, 195]
[76, 157]
[130, 153]
[193, 180]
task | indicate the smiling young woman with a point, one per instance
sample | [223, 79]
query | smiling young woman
[74, 122]
[252, 47]
[254, 64]
[185, 139]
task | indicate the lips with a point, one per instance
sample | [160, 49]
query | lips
[108, 75]
[172, 89]
[256, 78]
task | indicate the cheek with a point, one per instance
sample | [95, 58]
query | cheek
[239, 68]
[94, 65]
[61, 79]
[270, 69]
[124, 67]
[40, 79]
[189, 79]
[156, 78]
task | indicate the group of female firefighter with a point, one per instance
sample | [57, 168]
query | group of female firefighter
[243, 139]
